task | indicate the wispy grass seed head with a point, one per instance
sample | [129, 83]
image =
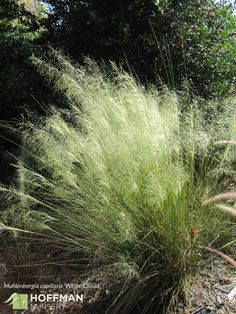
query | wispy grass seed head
[120, 184]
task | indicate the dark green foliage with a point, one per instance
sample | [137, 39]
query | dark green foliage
[20, 33]
[167, 41]
[20, 37]
[208, 43]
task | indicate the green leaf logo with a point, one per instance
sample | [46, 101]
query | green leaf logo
[18, 301]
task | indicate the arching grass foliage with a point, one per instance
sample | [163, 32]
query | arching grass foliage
[121, 178]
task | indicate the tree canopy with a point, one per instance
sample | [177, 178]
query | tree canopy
[21, 32]
[161, 40]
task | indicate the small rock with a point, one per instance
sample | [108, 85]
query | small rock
[225, 280]
[206, 284]
[232, 294]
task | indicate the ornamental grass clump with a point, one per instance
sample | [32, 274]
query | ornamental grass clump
[121, 178]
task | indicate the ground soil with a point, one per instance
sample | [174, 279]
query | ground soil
[207, 291]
